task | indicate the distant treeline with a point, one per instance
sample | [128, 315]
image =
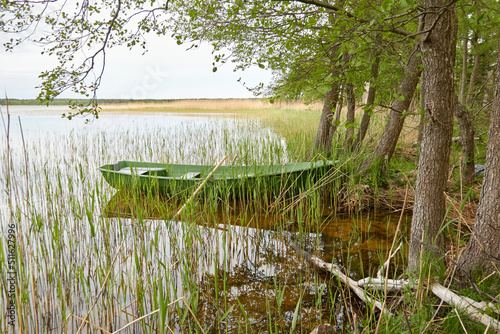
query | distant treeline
[65, 102]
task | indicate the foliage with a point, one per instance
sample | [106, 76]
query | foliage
[301, 42]
[79, 34]
[478, 24]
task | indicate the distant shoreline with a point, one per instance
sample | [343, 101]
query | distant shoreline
[178, 104]
[63, 102]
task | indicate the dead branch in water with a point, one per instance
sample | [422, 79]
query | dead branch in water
[468, 306]
[334, 269]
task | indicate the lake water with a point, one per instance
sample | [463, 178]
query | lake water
[226, 266]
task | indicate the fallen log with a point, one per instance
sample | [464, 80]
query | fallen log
[459, 139]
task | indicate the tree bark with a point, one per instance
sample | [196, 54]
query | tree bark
[422, 109]
[464, 118]
[321, 141]
[438, 57]
[407, 86]
[351, 109]
[484, 245]
[338, 113]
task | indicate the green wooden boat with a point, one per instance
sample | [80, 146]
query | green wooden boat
[175, 178]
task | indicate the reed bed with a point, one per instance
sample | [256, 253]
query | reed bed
[219, 105]
[89, 259]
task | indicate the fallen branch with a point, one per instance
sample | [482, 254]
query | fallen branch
[459, 139]
[334, 269]
[380, 271]
[466, 307]
[379, 284]
[482, 305]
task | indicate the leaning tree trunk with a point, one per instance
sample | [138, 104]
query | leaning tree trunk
[464, 118]
[484, 244]
[438, 57]
[407, 86]
[322, 142]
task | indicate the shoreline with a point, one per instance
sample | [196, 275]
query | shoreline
[189, 104]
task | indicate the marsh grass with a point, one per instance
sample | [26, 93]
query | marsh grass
[223, 265]
[209, 105]
[119, 261]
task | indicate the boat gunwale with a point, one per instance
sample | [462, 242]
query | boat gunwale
[296, 167]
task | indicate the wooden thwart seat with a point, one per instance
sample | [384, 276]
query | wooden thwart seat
[191, 175]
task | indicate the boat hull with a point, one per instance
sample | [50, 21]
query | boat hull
[175, 179]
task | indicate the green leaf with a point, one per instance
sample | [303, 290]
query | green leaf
[214, 69]
[349, 125]
[262, 65]
[295, 315]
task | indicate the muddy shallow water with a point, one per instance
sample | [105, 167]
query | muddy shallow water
[224, 265]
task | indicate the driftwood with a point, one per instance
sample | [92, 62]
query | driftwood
[465, 306]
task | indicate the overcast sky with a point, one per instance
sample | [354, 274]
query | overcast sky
[166, 71]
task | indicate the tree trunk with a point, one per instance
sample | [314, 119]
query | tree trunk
[463, 82]
[464, 118]
[368, 108]
[473, 75]
[484, 244]
[338, 112]
[321, 141]
[438, 57]
[351, 109]
[407, 86]
[422, 109]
